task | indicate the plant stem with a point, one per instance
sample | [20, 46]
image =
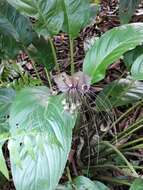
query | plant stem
[49, 78]
[68, 174]
[132, 128]
[134, 147]
[114, 180]
[36, 71]
[33, 64]
[122, 156]
[1, 81]
[113, 167]
[121, 117]
[132, 142]
[72, 55]
[54, 54]
[126, 113]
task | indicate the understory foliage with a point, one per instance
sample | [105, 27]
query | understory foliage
[37, 123]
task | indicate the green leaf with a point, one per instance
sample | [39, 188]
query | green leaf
[76, 16]
[95, 8]
[67, 186]
[6, 98]
[95, 1]
[10, 70]
[53, 16]
[48, 14]
[41, 52]
[137, 185]
[137, 68]
[4, 126]
[131, 56]
[14, 24]
[127, 9]
[82, 182]
[13, 146]
[9, 47]
[39, 127]
[120, 92]
[3, 167]
[110, 48]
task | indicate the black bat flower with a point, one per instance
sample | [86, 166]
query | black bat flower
[74, 86]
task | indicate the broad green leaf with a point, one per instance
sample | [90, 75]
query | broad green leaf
[9, 47]
[52, 15]
[6, 98]
[41, 52]
[3, 167]
[95, 1]
[120, 92]
[76, 16]
[127, 9]
[67, 186]
[95, 8]
[13, 146]
[42, 132]
[14, 24]
[137, 68]
[137, 185]
[110, 48]
[48, 14]
[131, 56]
[82, 182]
[4, 126]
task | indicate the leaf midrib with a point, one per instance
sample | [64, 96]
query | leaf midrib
[66, 13]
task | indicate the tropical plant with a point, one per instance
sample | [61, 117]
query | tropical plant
[37, 124]
[127, 9]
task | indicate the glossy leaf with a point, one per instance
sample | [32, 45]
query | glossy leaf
[41, 52]
[76, 16]
[3, 167]
[42, 133]
[6, 98]
[14, 24]
[95, 1]
[52, 15]
[9, 47]
[131, 56]
[110, 48]
[120, 92]
[95, 8]
[48, 14]
[127, 9]
[137, 184]
[137, 68]
[83, 183]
